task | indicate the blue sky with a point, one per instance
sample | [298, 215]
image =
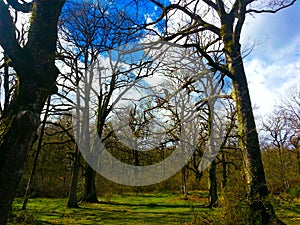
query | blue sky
[274, 64]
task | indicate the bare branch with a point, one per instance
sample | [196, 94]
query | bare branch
[24, 7]
[8, 39]
[197, 18]
[212, 4]
[211, 61]
[282, 6]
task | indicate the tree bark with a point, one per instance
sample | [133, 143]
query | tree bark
[6, 85]
[36, 74]
[72, 199]
[261, 208]
[15, 142]
[249, 143]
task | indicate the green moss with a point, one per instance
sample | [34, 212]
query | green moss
[223, 30]
[5, 126]
[34, 7]
[227, 38]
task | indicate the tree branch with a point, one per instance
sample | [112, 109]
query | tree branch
[24, 7]
[211, 61]
[283, 6]
[8, 39]
[241, 19]
[212, 4]
[194, 16]
[221, 7]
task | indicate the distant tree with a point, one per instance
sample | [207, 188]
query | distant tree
[36, 75]
[281, 141]
[279, 132]
[93, 45]
[290, 105]
[81, 41]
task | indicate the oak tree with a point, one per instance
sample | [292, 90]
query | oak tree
[223, 21]
[36, 75]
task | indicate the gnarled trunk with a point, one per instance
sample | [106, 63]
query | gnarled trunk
[17, 135]
[36, 74]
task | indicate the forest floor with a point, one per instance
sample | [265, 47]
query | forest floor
[133, 208]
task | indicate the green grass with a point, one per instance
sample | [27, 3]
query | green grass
[290, 214]
[128, 209]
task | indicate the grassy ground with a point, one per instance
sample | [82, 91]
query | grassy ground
[130, 209]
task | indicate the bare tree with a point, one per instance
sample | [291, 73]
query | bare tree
[279, 130]
[94, 38]
[224, 20]
[290, 106]
[84, 34]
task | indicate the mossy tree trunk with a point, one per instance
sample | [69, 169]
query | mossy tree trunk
[36, 74]
[224, 171]
[249, 143]
[261, 208]
[227, 33]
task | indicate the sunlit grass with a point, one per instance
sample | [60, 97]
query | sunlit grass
[290, 213]
[128, 209]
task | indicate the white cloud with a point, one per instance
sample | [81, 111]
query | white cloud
[268, 82]
[274, 65]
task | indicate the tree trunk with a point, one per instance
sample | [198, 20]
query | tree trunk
[36, 74]
[90, 194]
[284, 181]
[38, 150]
[17, 135]
[296, 146]
[224, 171]
[249, 143]
[298, 158]
[7, 93]
[72, 200]
[213, 186]
[184, 177]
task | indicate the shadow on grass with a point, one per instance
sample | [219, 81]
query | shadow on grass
[127, 210]
[149, 205]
